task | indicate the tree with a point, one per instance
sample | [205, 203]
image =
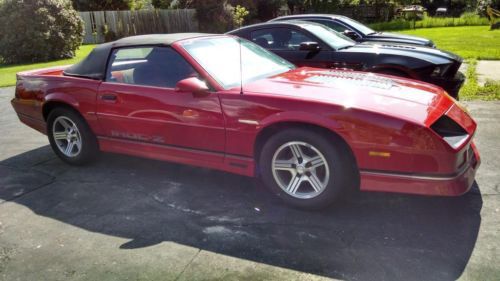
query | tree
[249, 5]
[102, 5]
[185, 4]
[268, 9]
[42, 30]
[141, 4]
[113, 5]
[211, 14]
[262, 10]
[239, 15]
[161, 4]
[296, 5]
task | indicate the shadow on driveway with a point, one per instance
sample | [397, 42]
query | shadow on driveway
[371, 236]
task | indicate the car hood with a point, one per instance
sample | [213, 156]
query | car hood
[432, 55]
[401, 38]
[407, 99]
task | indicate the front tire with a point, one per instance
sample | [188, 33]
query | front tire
[307, 169]
[70, 137]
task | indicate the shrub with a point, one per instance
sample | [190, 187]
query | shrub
[467, 19]
[482, 5]
[100, 5]
[212, 15]
[38, 30]
[397, 24]
[472, 90]
[161, 4]
[239, 15]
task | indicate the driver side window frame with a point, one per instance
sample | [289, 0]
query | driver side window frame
[348, 27]
[115, 51]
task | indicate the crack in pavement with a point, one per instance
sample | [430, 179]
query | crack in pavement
[52, 179]
[489, 194]
[28, 192]
[187, 265]
[31, 168]
[43, 162]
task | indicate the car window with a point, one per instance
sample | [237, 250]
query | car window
[279, 38]
[331, 24]
[148, 66]
[133, 53]
[329, 36]
[232, 61]
[357, 25]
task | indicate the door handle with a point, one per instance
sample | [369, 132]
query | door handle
[108, 97]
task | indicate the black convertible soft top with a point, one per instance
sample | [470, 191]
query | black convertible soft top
[94, 65]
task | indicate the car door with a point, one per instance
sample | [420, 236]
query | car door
[285, 42]
[138, 102]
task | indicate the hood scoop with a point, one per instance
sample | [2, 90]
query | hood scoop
[398, 46]
[348, 78]
[389, 45]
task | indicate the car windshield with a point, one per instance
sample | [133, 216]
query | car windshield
[358, 26]
[221, 58]
[333, 38]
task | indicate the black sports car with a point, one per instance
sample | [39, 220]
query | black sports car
[311, 44]
[358, 31]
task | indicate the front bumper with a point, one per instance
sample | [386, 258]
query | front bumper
[450, 85]
[432, 185]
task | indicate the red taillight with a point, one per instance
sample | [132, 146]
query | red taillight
[19, 85]
[16, 94]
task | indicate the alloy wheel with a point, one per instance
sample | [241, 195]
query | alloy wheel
[300, 170]
[67, 136]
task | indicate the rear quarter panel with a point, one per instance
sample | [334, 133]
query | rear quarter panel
[38, 89]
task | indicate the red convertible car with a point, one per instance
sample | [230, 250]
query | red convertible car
[225, 103]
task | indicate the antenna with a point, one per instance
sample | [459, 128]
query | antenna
[241, 68]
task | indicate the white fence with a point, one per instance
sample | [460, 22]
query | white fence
[101, 26]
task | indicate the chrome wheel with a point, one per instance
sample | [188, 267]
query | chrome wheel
[300, 170]
[67, 136]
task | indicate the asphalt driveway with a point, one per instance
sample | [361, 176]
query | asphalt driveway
[125, 218]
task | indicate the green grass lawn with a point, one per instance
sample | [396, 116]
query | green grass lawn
[8, 72]
[469, 42]
[473, 91]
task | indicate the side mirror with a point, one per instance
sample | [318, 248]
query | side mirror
[310, 46]
[351, 34]
[192, 85]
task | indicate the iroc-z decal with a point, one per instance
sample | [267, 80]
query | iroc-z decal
[137, 137]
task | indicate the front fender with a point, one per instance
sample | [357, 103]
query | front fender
[283, 119]
[299, 117]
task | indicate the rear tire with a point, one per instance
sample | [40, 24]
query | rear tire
[70, 137]
[307, 169]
